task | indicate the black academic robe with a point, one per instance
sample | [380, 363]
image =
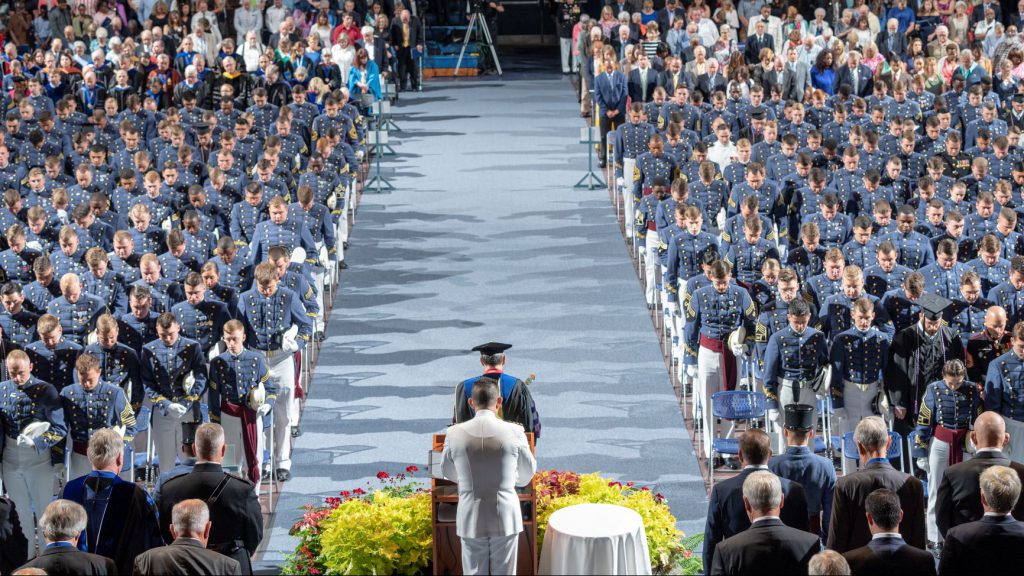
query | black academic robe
[914, 362]
[516, 402]
[129, 525]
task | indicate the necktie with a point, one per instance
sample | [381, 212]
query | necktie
[405, 35]
[643, 84]
[855, 79]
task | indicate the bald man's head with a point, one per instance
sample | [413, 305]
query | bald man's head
[995, 322]
[989, 431]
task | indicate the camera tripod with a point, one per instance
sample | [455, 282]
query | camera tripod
[476, 20]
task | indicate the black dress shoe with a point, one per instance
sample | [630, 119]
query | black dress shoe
[320, 336]
[265, 476]
[296, 432]
[282, 475]
[343, 265]
[602, 163]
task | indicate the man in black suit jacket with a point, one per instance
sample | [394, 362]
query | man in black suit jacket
[665, 20]
[768, 546]
[236, 516]
[755, 43]
[405, 35]
[887, 552]
[959, 497]
[860, 83]
[62, 523]
[849, 527]
[891, 40]
[13, 544]
[994, 544]
[642, 80]
[378, 49]
[712, 81]
[187, 554]
[727, 515]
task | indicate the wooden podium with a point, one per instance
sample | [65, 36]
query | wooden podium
[444, 500]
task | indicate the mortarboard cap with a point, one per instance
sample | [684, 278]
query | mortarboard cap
[798, 417]
[932, 305]
[492, 348]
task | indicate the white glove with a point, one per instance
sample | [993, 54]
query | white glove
[720, 219]
[166, 224]
[360, 154]
[91, 338]
[332, 201]
[289, 345]
[257, 397]
[263, 410]
[35, 430]
[34, 245]
[62, 215]
[691, 371]
[215, 350]
[119, 429]
[736, 342]
[25, 441]
[922, 463]
[188, 383]
[298, 255]
[839, 413]
[322, 254]
[773, 415]
[175, 410]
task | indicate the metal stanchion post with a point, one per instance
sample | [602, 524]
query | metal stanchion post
[590, 135]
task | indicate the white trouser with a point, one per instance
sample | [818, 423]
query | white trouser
[80, 465]
[286, 407]
[166, 431]
[1015, 450]
[792, 394]
[495, 555]
[938, 461]
[651, 267]
[28, 478]
[568, 62]
[709, 380]
[857, 404]
[233, 437]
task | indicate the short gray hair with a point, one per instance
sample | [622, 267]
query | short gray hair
[63, 520]
[1000, 486]
[872, 434]
[104, 447]
[828, 563]
[190, 517]
[493, 359]
[763, 490]
[209, 439]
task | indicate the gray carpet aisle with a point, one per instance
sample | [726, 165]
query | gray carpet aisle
[485, 239]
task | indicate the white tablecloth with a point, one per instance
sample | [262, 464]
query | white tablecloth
[595, 539]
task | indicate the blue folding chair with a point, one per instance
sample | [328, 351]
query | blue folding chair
[734, 406]
[825, 412]
[895, 448]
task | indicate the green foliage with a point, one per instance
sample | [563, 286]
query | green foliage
[387, 535]
[387, 530]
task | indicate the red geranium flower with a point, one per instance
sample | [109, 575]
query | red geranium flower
[382, 475]
[412, 469]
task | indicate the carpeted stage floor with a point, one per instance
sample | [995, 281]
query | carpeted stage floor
[485, 239]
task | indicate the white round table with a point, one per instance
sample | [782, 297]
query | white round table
[595, 539]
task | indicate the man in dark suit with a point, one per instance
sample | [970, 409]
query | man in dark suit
[755, 43]
[856, 75]
[994, 544]
[887, 552]
[642, 80]
[235, 513]
[13, 544]
[978, 13]
[711, 81]
[667, 15]
[848, 528]
[958, 501]
[187, 554]
[727, 515]
[62, 523]
[377, 47]
[768, 546]
[405, 35]
[610, 94]
[891, 40]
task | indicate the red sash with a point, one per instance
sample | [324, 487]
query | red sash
[249, 432]
[728, 362]
[297, 359]
[955, 439]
